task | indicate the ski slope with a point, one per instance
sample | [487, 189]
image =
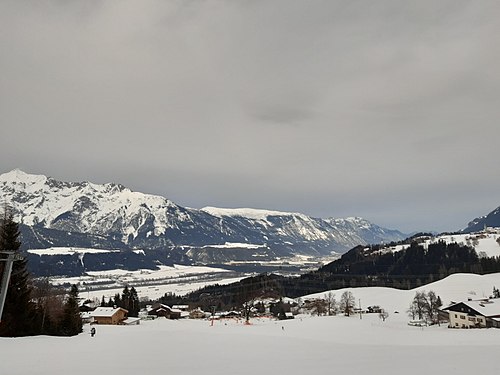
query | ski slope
[304, 345]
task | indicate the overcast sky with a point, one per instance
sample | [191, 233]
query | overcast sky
[388, 110]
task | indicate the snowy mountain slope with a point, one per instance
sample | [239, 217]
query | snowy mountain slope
[485, 242]
[88, 208]
[82, 214]
[490, 220]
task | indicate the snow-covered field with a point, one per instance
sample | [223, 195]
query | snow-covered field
[156, 291]
[305, 345]
[150, 284]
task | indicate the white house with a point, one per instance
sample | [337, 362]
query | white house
[474, 314]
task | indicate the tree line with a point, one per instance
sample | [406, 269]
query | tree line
[128, 300]
[360, 267]
[34, 308]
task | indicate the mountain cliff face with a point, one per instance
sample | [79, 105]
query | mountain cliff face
[83, 214]
[490, 220]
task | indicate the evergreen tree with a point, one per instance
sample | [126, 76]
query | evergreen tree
[71, 321]
[125, 300]
[117, 300]
[19, 314]
[133, 308]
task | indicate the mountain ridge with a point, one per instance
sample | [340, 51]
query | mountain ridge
[106, 214]
[492, 219]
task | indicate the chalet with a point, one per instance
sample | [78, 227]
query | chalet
[474, 314]
[181, 307]
[160, 309]
[108, 315]
[198, 314]
[228, 314]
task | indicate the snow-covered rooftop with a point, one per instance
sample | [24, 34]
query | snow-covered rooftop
[486, 307]
[105, 311]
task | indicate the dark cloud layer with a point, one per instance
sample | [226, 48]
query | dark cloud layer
[387, 110]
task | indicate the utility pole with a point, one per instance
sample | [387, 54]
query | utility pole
[11, 257]
[360, 314]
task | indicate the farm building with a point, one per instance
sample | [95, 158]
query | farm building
[474, 314]
[108, 315]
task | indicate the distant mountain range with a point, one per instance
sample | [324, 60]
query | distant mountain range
[85, 215]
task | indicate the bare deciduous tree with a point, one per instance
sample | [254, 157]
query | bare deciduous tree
[331, 303]
[318, 307]
[425, 306]
[417, 307]
[347, 303]
[247, 310]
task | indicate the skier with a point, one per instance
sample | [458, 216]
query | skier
[92, 332]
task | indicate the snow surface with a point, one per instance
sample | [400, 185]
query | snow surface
[304, 345]
[454, 288]
[297, 222]
[485, 243]
[236, 245]
[110, 208]
[154, 292]
[109, 201]
[150, 284]
[249, 213]
[69, 251]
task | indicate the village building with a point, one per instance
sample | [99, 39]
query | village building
[108, 315]
[131, 321]
[198, 314]
[166, 311]
[181, 307]
[474, 314]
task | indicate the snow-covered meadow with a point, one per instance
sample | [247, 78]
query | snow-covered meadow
[301, 346]
[323, 345]
[150, 284]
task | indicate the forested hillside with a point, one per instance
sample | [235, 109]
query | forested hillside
[407, 268]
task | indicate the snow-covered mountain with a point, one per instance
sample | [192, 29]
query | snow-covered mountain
[83, 214]
[490, 220]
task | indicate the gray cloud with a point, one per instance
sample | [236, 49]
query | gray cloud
[386, 109]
